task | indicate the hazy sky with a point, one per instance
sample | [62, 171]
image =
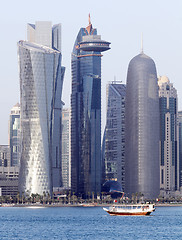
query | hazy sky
[119, 21]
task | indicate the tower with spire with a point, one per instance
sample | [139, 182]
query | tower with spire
[86, 111]
[142, 128]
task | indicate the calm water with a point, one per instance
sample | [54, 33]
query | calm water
[88, 223]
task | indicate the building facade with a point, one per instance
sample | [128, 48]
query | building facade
[66, 158]
[180, 149]
[41, 80]
[86, 111]
[142, 128]
[8, 174]
[14, 135]
[4, 156]
[9, 181]
[43, 33]
[169, 144]
[115, 133]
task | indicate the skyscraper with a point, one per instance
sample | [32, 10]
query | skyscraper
[41, 79]
[115, 133]
[14, 135]
[180, 149]
[86, 111]
[169, 144]
[66, 161]
[142, 128]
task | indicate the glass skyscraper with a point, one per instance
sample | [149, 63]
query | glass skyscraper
[142, 128]
[180, 149]
[169, 143]
[14, 135]
[115, 133]
[86, 111]
[41, 79]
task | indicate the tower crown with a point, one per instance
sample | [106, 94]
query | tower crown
[92, 42]
[89, 27]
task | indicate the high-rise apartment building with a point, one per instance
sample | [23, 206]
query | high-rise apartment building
[66, 160]
[180, 149]
[115, 133]
[86, 111]
[41, 80]
[14, 135]
[142, 128]
[169, 144]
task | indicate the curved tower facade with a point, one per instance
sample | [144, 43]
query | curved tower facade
[41, 77]
[86, 111]
[142, 128]
[41, 81]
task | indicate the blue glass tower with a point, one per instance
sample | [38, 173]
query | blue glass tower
[86, 111]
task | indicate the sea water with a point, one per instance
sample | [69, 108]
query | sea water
[87, 223]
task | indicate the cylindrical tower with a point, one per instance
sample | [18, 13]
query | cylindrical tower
[142, 128]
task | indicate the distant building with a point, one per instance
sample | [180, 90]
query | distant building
[14, 135]
[180, 149]
[86, 111]
[142, 129]
[41, 80]
[115, 133]
[4, 155]
[66, 161]
[103, 176]
[8, 174]
[9, 181]
[169, 145]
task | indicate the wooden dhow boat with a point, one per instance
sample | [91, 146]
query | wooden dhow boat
[138, 209]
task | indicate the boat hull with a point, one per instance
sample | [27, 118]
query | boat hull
[129, 214]
[131, 210]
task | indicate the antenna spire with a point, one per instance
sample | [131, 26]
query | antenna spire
[89, 19]
[89, 27]
[142, 43]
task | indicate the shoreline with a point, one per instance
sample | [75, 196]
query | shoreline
[81, 205]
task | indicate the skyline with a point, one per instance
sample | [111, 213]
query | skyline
[121, 24]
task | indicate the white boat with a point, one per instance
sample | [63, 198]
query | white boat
[35, 207]
[138, 209]
[88, 205]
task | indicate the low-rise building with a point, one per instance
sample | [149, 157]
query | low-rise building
[9, 181]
